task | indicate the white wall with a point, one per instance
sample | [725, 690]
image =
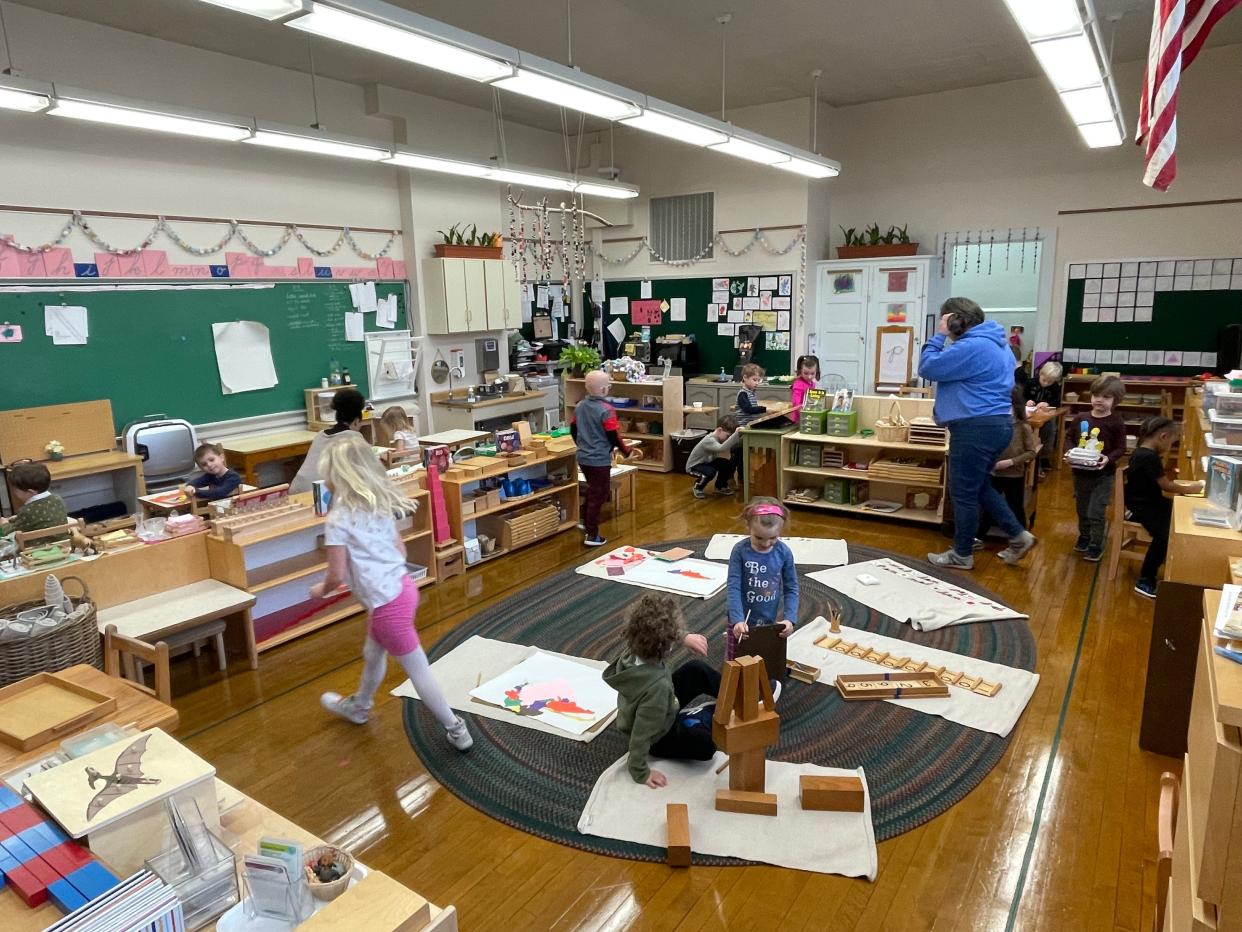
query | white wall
[1006, 155]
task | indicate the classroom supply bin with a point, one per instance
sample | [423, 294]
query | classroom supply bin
[840, 423]
[811, 422]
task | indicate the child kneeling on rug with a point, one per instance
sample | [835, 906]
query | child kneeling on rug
[653, 702]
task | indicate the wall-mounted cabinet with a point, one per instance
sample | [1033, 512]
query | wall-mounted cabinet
[471, 295]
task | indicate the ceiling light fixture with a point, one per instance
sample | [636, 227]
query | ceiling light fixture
[398, 42]
[532, 178]
[614, 191]
[316, 142]
[22, 94]
[1065, 37]
[444, 166]
[672, 122]
[567, 87]
[275, 11]
[817, 168]
[160, 118]
[751, 151]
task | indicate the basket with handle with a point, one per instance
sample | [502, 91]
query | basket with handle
[893, 428]
[70, 643]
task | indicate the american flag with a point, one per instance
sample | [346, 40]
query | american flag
[1178, 31]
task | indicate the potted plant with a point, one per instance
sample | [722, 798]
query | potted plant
[580, 358]
[871, 243]
[55, 449]
[458, 244]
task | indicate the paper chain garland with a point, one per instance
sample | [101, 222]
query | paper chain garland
[234, 231]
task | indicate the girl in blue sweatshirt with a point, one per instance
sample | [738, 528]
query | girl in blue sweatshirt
[763, 578]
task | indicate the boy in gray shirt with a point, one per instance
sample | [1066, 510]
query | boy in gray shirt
[711, 458]
[594, 429]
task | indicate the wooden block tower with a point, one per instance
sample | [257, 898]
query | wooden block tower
[745, 724]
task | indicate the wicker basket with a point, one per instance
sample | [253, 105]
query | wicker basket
[64, 646]
[894, 428]
[333, 888]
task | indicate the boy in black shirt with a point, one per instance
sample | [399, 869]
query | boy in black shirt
[1146, 484]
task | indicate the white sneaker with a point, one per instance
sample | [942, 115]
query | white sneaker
[458, 735]
[776, 690]
[346, 707]
[1018, 548]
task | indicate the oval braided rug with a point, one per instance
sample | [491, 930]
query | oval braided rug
[917, 765]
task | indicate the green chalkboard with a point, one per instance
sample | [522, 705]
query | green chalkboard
[151, 350]
[1181, 321]
[715, 351]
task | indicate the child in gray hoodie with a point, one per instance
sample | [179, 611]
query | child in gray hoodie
[653, 702]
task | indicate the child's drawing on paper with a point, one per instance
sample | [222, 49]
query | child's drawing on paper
[561, 693]
[556, 696]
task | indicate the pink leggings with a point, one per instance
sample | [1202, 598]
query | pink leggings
[392, 625]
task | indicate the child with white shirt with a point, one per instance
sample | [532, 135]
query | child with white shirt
[365, 549]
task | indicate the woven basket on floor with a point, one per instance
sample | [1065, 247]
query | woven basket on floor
[894, 428]
[64, 646]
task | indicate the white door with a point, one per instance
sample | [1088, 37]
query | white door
[455, 295]
[841, 325]
[898, 297]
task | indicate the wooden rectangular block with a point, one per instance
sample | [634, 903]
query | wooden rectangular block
[876, 656]
[843, 646]
[752, 671]
[748, 771]
[678, 817]
[831, 794]
[929, 670]
[802, 672]
[744, 802]
[827, 642]
[895, 663]
[862, 686]
[949, 677]
[915, 666]
[987, 689]
[860, 651]
[736, 736]
[730, 678]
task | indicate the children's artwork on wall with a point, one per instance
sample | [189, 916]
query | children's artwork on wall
[843, 283]
[785, 285]
[765, 319]
[726, 330]
[737, 303]
[765, 300]
[10, 333]
[752, 287]
[895, 313]
[720, 284]
[780, 304]
[646, 312]
[898, 282]
[782, 320]
[618, 305]
[564, 694]
[778, 340]
[767, 283]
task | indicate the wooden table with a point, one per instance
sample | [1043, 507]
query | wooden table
[245, 454]
[1199, 555]
[761, 448]
[454, 438]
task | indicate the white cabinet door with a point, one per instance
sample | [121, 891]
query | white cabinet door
[455, 295]
[503, 310]
[476, 294]
[513, 296]
[841, 325]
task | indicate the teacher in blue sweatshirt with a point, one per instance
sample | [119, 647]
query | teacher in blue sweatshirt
[970, 361]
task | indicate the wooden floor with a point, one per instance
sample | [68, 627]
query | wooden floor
[1085, 807]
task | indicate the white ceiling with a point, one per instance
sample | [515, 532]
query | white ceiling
[868, 49]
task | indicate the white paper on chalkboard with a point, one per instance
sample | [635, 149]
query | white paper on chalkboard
[243, 356]
[894, 356]
[677, 309]
[619, 305]
[354, 329]
[644, 291]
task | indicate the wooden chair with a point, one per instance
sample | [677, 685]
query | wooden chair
[1126, 539]
[118, 648]
[1166, 826]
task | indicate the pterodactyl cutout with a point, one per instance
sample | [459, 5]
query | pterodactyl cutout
[125, 776]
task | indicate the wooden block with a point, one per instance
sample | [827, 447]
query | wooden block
[895, 663]
[843, 646]
[857, 686]
[949, 677]
[827, 643]
[968, 682]
[736, 736]
[748, 803]
[876, 656]
[932, 671]
[987, 689]
[860, 651]
[374, 902]
[831, 794]
[678, 817]
[729, 680]
[766, 702]
[803, 672]
[914, 666]
[748, 771]
[752, 671]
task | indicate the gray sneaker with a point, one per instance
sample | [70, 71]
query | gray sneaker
[1018, 547]
[346, 707]
[951, 558]
[458, 736]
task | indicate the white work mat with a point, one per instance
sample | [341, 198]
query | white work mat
[824, 842]
[480, 659]
[638, 567]
[807, 551]
[906, 594]
[997, 714]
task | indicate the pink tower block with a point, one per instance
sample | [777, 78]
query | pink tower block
[439, 514]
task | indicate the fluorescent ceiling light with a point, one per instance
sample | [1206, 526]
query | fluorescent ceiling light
[1043, 19]
[751, 151]
[147, 116]
[400, 43]
[811, 169]
[566, 94]
[1088, 105]
[605, 190]
[662, 124]
[21, 94]
[1101, 135]
[1069, 62]
[273, 10]
[432, 164]
[535, 180]
[316, 143]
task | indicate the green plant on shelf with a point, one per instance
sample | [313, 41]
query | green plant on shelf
[581, 358]
[871, 236]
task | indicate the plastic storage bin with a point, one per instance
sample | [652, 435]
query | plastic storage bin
[841, 423]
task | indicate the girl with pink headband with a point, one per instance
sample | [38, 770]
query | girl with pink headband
[763, 578]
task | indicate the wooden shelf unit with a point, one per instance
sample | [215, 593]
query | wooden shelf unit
[461, 526]
[277, 568]
[857, 448]
[657, 448]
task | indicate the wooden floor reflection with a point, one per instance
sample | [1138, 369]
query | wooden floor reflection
[1092, 863]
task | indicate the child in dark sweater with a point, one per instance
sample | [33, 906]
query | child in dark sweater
[37, 508]
[1093, 485]
[217, 480]
[748, 407]
[763, 578]
[653, 703]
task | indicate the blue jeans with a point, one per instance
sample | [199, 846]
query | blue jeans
[975, 444]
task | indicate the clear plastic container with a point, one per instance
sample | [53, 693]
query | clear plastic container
[1228, 404]
[199, 867]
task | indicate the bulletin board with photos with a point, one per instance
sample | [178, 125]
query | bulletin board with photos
[1150, 316]
[711, 309]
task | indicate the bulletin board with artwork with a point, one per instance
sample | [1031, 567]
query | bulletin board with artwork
[711, 309]
[1150, 316]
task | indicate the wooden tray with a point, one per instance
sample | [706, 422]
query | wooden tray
[854, 686]
[44, 707]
